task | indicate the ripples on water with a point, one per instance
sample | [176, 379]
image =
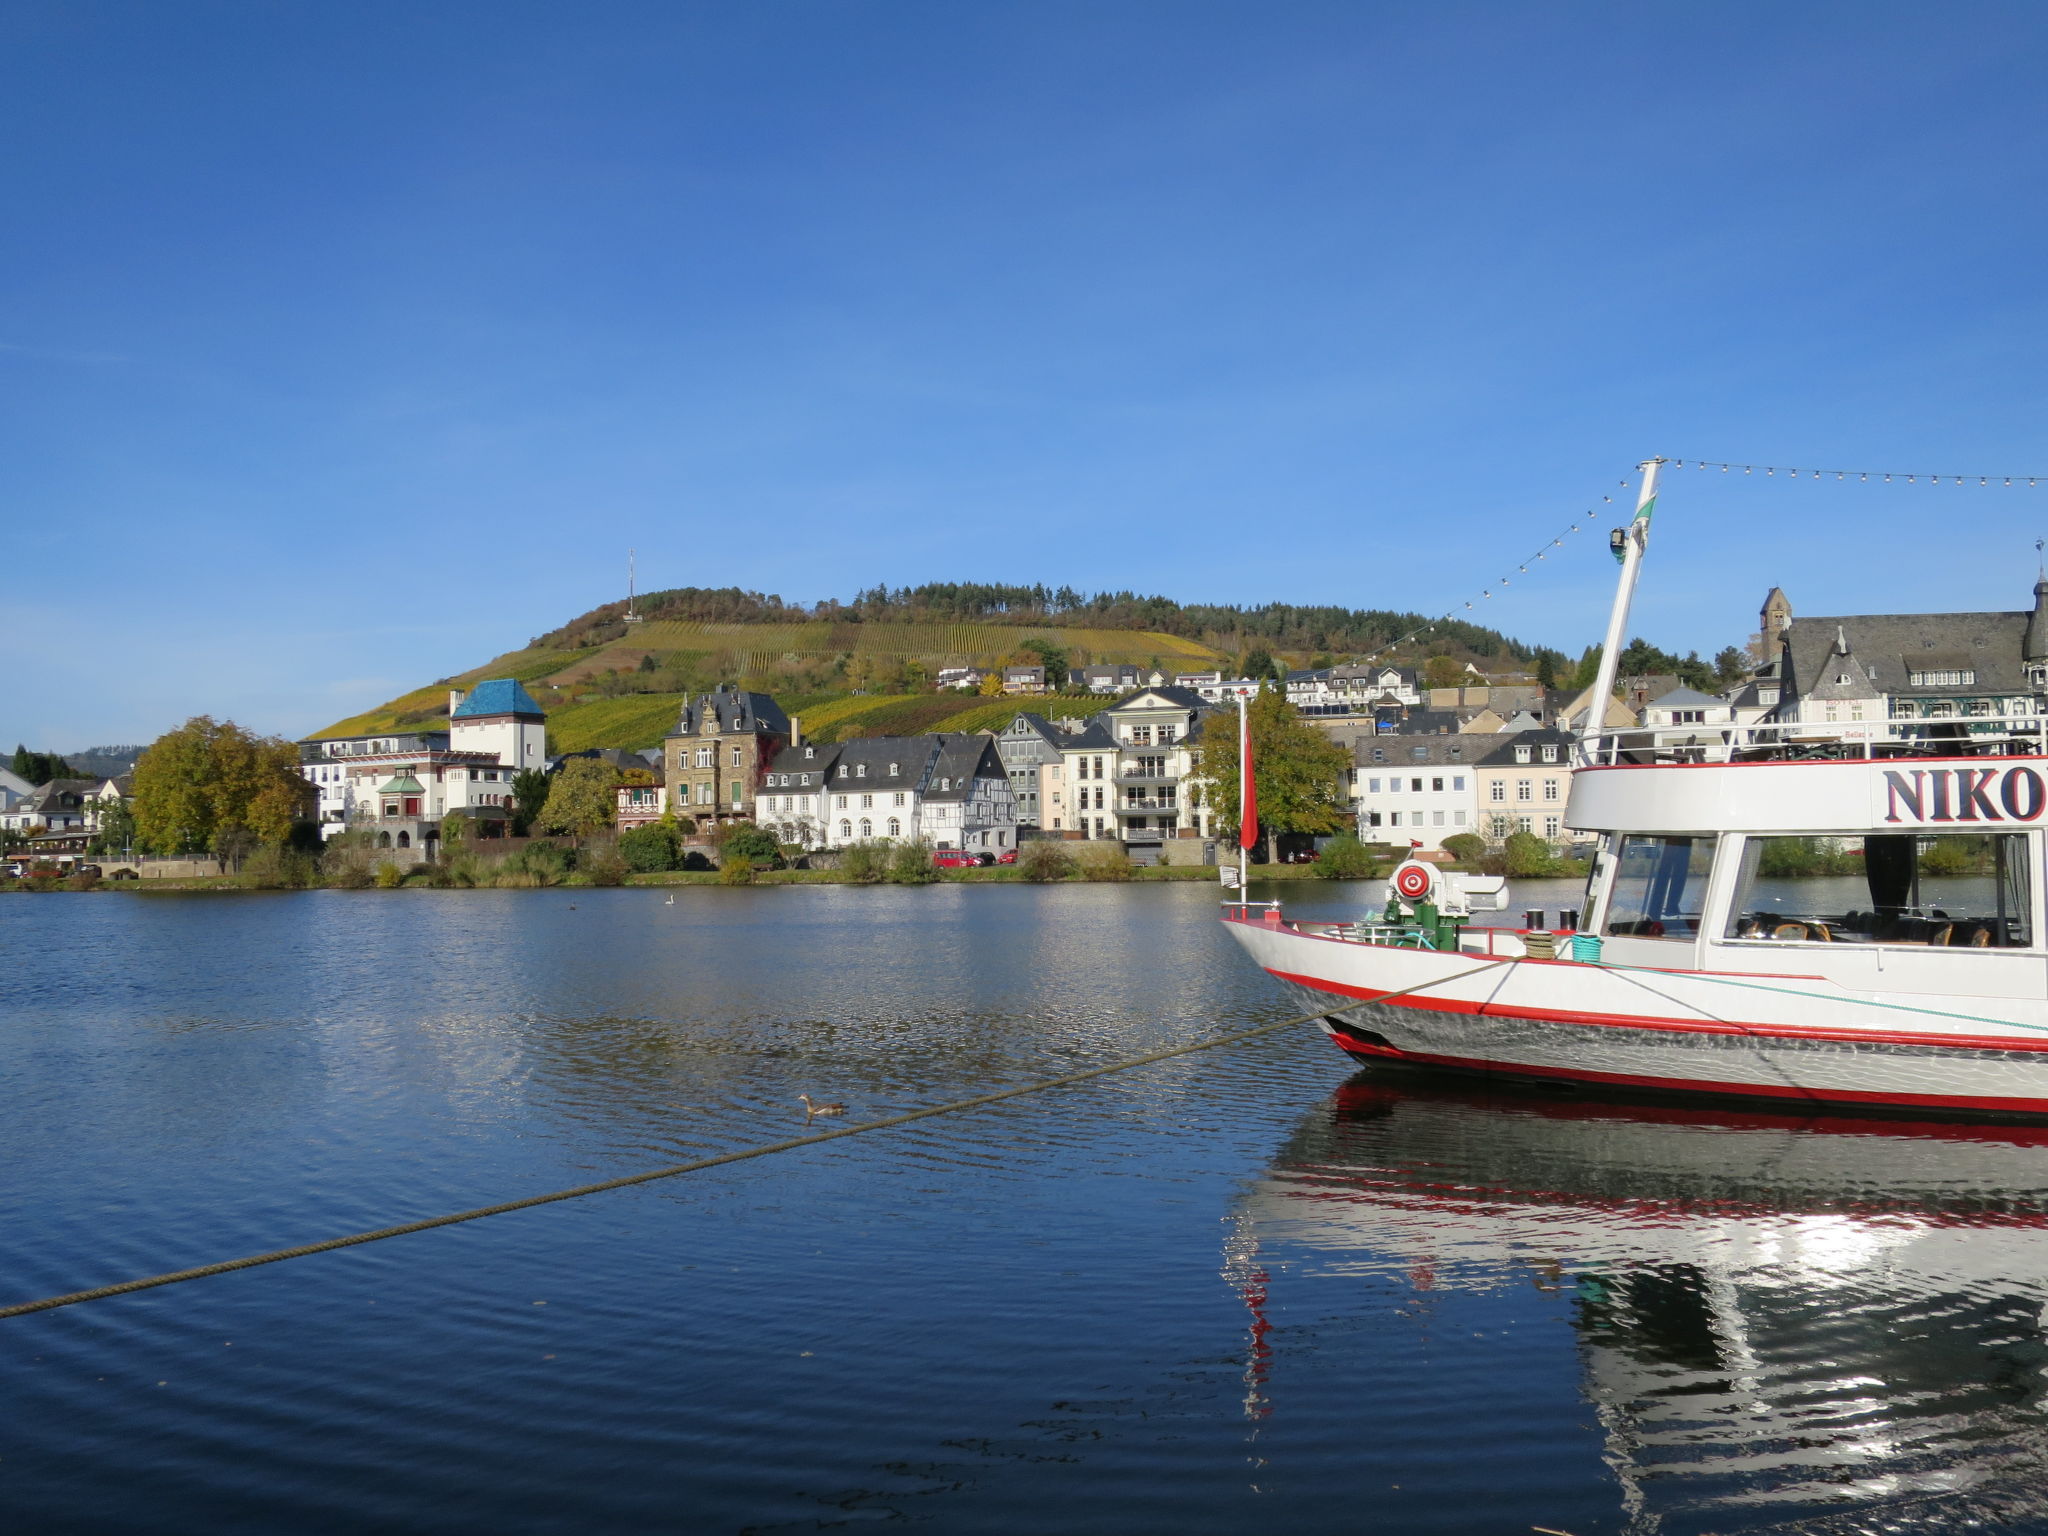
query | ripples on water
[1227, 1291]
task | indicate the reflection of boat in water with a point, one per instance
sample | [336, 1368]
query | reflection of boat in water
[1777, 1317]
[1715, 954]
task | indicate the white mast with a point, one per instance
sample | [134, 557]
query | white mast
[1629, 543]
[632, 572]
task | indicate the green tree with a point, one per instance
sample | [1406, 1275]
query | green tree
[1443, 672]
[1344, 857]
[746, 840]
[1298, 771]
[582, 798]
[40, 767]
[1465, 847]
[215, 786]
[1546, 669]
[529, 795]
[1258, 664]
[1731, 666]
[1045, 654]
[1526, 856]
[116, 834]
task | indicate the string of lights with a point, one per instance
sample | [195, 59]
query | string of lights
[1888, 476]
[1590, 516]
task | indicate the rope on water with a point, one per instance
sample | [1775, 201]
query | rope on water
[355, 1239]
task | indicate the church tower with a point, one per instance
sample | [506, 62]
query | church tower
[1772, 622]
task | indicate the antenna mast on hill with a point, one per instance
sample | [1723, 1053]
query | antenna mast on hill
[632, 568]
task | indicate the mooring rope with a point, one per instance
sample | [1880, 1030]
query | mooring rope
[1812, 997]
[356, 1239]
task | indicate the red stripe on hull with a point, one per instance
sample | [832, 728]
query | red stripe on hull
[1675, 1026]
[1688, 1085]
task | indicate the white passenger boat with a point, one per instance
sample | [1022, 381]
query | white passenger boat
[1849, 922]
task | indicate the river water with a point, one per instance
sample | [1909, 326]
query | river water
[1239, 1290]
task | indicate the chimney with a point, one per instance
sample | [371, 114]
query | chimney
[796, 730]
[454, 699]
[2035, 645]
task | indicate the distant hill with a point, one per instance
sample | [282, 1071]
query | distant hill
[610, 680]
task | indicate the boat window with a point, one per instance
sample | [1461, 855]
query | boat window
[1950, 889]
[1660, 886]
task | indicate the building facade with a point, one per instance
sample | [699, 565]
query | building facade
[715, 760]
[1523, 782]
[949, 790]
[1129, 773]
[1416, 788]
[1026, 745]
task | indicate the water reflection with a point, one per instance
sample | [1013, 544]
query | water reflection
[1776, 1318]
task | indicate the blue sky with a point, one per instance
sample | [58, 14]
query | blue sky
[345, 346]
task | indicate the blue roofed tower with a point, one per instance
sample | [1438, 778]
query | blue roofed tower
[500, 717]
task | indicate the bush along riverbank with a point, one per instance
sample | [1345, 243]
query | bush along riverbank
[600, 862]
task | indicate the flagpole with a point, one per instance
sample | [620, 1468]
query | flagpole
[1628, 546]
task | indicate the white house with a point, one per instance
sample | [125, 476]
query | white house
[1410, 788]
[1689, 726]
[404, 782]
[950, 790]
[1349, 689]
[1127, 774]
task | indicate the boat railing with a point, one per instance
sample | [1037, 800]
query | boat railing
[2015, 734]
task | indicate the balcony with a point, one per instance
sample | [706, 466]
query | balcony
[1149, 808]
[1135, 779]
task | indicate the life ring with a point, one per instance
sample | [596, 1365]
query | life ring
[1414, 881]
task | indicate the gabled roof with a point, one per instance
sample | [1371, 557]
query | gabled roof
[1892, 647]
[498, 696]
[1028, 724]
[1094, 737]
[1685, 698]
[732, 711]
[1182, 698]
[960, 761]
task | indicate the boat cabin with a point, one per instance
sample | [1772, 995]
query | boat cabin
[1912, 873]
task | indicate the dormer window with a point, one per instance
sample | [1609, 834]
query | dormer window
[892, 770]
[861, 771]
[1550, 753]
[810, 752]
[1521, 754]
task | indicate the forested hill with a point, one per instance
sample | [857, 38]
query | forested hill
[869, 664]
[1228, 628]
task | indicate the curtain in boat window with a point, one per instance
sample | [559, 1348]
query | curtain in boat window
[1947, 889]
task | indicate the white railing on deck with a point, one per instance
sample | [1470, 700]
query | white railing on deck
[2010, 735]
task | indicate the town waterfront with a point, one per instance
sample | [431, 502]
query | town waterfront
[1229, 1291]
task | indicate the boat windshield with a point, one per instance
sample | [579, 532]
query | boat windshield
[1660, 886]
[1955, 889]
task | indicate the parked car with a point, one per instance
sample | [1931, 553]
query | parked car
[87, 869]
[955, 858]
[1009, 855]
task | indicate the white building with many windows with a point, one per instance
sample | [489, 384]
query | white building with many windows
[1523, 783]
[1127, 773]
[1407, 788]
[950, 790]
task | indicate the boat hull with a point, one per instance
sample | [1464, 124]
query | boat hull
[1766, 1038]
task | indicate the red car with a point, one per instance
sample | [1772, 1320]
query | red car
[963, 858]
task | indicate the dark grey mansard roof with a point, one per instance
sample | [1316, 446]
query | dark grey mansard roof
[810, 758]
[1503, 754]
[1893, 646]
[1398, 749]
[735, 711]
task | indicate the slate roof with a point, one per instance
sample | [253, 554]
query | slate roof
[498, 696]
[961, 760]
[1094, 737]
[1686, 698]
[1503, 755]
[1034, 725]
[1893, 646]
[735, 711]
[53, 795]
[1185, 698]
[1391, 749]
[811, 758]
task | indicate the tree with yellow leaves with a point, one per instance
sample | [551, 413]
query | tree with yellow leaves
[211, 785]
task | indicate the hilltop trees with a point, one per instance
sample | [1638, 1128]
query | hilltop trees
[40, 767]
[1298, 771]
[213, 785]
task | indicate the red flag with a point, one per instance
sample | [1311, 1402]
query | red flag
[1248, 793]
